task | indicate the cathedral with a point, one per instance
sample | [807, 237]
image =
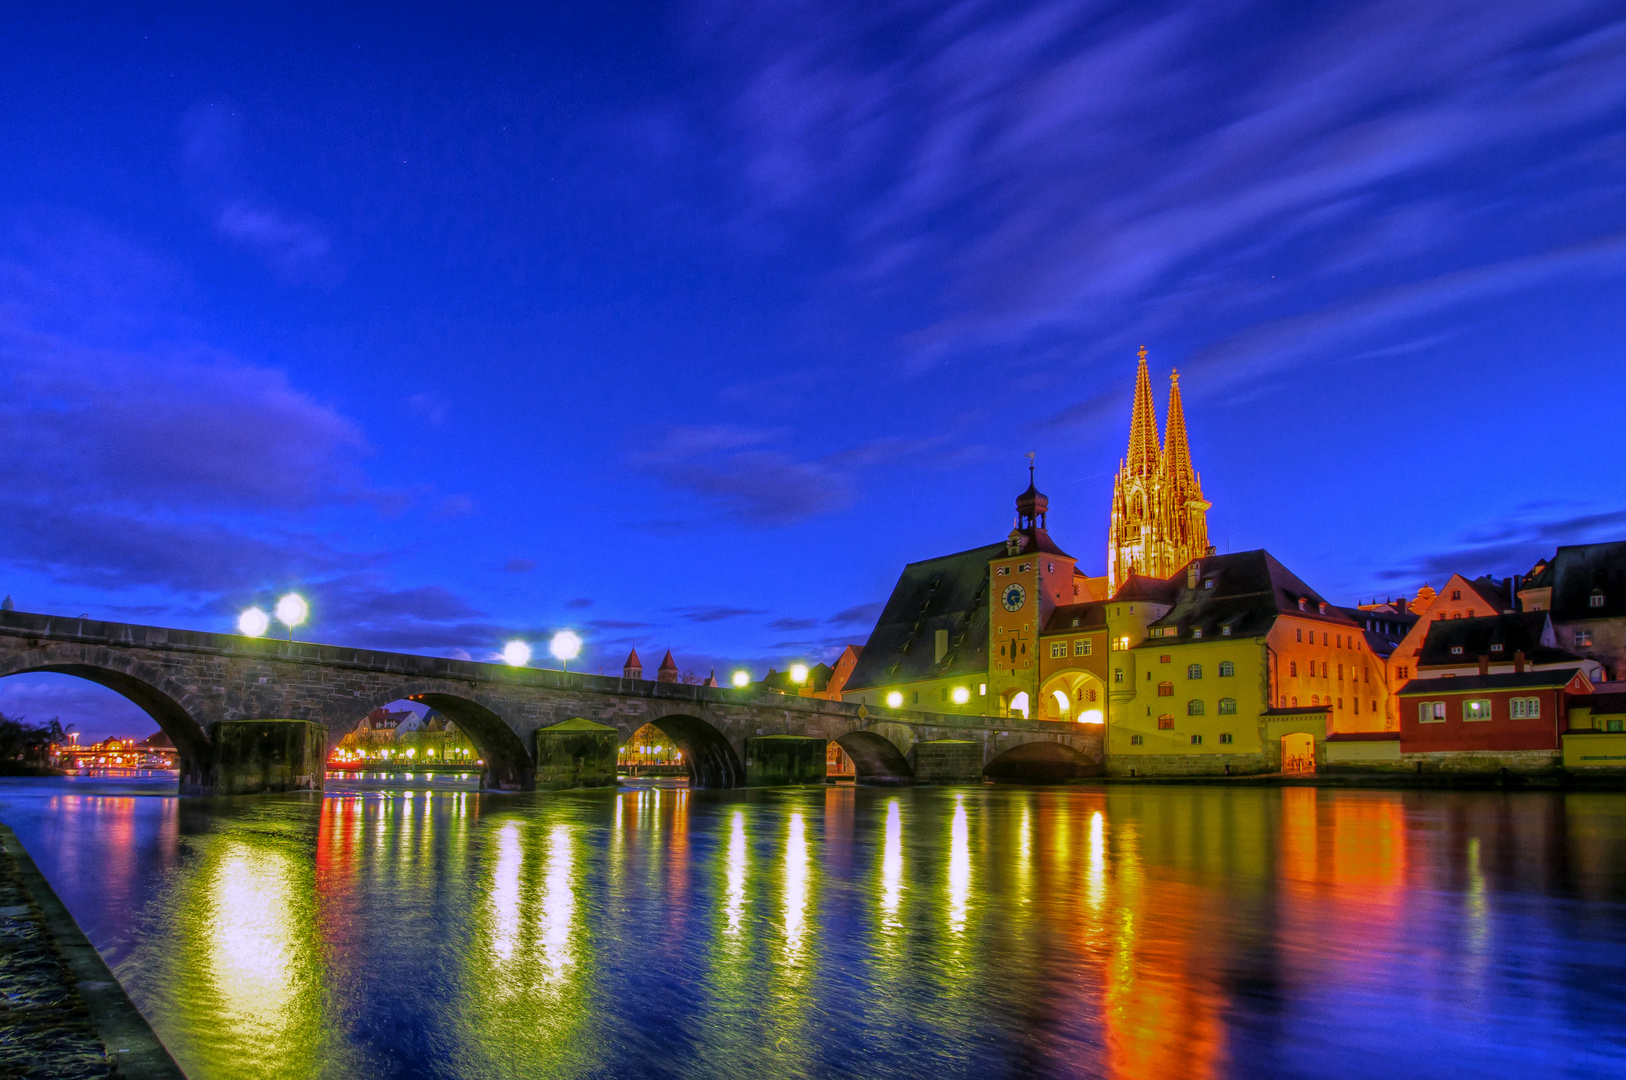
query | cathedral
[1159, 515]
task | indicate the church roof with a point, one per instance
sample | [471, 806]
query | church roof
[1145, 449]
[667, 663]
[633, 661]
[946, 593]
[1237, 595]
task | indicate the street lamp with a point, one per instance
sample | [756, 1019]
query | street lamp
[961, 695]
[253, 622]
[565, 647]
[516, 654]
[291, 611]
[740, 679]
[894, 700]
[798, 673]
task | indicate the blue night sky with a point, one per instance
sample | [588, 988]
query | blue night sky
[688, 325]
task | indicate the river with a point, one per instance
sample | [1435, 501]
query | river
[1129, 931]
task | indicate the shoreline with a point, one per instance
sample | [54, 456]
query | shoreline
[86, 988]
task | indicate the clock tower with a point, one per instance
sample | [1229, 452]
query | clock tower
[1027, 581]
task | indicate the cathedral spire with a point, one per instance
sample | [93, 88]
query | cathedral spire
[1144, 451]
[1177, 470]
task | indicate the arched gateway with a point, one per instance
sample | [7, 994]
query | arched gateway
[254, 711]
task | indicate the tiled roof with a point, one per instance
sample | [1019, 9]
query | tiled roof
[1528, 632]
[1578, 571]
[1072, 618]
[947, 593]
[1242, 592]
[1507, 680]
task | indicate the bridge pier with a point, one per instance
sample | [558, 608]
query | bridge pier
[775, 760]
[948, 761]
[576, 753]
[257, 757]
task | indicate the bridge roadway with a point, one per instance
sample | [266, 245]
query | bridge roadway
[192, 683]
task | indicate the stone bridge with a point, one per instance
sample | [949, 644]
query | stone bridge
[301, 698]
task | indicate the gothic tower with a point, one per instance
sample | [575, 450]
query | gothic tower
[1159, 516]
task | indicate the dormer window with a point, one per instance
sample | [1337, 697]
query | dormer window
[1456, 650]
[1322, 607]
[1225, 631]
[1497, 647]
[1596, 599]
[1197, 632]
[1304, 605]
[1209, 584]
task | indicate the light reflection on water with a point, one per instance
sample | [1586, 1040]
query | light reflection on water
[1127, 932]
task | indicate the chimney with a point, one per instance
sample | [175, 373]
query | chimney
[1484, 664]
[1192, 570]
[1518, 662]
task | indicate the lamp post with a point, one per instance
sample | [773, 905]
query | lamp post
[253, 622]
[291, 611]
[516, 654]
[565, 647]
[741, 679]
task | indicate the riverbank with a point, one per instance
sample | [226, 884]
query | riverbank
[1463, 781]
[62, 1013]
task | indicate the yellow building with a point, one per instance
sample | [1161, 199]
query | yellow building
[1234, 665]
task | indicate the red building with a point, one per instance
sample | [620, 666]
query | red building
[1509, 712]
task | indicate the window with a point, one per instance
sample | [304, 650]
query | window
[1225, 631]
[1057, 649]
[1227, 669]
[1050, 568]
[1595, 600]
[1476, 709]
[1194, 671]
[1197, 633]
[1339, 638]
[1137, 740]
[1430, 712]
[1194, 708]
[1196, 740]
[1118, 675]
[1165, 689]
[1227, 707]
[1164, 659]
[1209, 584]
[942, 694]
[1583, 637]
[1323, 669]
[1295, 701]
[1002, 571]
[1303, 604]
[1165, 722]
[1089, 694]
[1323, 637]
[1315, 699]
[1300, 633]
[1340, 702]
[1402, 672]
[1340, 673]
[1292, 667]
[1525, 708]
[1496, 647]
[917, 697]
[1026, 567]
[1225, 737]
[1456, 594]
[1081, 648]
[1456, 650]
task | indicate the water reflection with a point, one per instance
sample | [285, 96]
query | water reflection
[1126, 932]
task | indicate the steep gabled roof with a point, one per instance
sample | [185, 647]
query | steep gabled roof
[1528, 632]
[1577, 572]
[947, 593]
[1074, 618]
[1150, 589]
[1243, 593]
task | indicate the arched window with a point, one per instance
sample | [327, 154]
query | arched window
[1194, 671]
[1227, 669]
[1292, 667]
[1315, 699]
[1227, 706]
[1165, 722]
[1019, 705]
[1165, 689]
[1194, 708]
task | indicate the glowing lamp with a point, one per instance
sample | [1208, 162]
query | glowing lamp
[565, 646]
[516, 654]
[292, 610]
[894, 700]
[1092, 716]
[740, 679]
[798, 673]
[253, 622]
[960, 695]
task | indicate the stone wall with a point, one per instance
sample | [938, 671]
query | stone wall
[1189, 765]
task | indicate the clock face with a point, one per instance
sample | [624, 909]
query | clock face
[1015, 596]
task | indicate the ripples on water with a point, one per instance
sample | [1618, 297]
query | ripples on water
[1124, 931]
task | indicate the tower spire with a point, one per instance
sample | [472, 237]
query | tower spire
[1177, 470]
[1144, 450]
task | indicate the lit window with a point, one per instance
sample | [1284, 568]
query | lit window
[1194, 708]
[1194, 671]
[1165, 689]
[1456, 650]
[1117, 675]
[1595, 600]
[1165, 722]
[1225, 631]
[1476, 709]
[1227, 706]
[1136, 740]
[1227, 669]
[1304, 605]
[1196, 740]
[1496, 647]
[1197, 633]
[1209, 584]
[1583, 637]
[1225, 737]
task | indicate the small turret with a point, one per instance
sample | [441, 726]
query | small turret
[668, 671]
[634, 667]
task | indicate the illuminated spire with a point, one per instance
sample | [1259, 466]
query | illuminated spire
[1177, 469]
[1142, 458]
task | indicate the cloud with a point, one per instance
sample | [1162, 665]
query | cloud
[793, 624]
[712, 613]
[578, 603]
[1513, 544]
[525, 566]
[857, 615]
[617, 624]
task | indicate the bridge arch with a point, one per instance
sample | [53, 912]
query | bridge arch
[712, 760]
[147, 687]
[508, 764]
[1041, 762]
[876, 758]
